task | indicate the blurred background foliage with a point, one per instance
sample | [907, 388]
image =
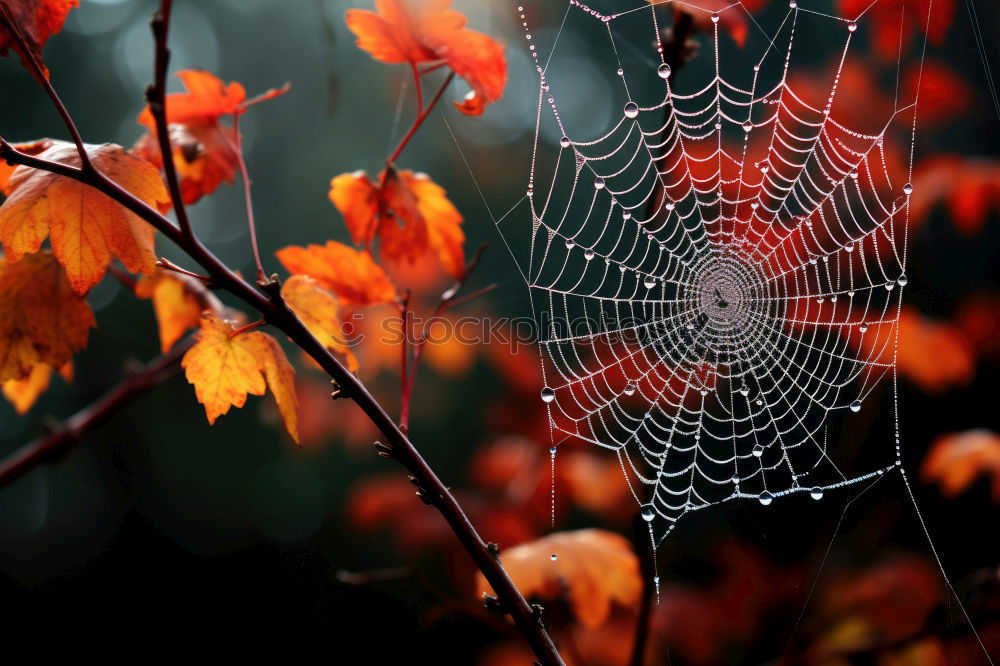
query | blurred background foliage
[163, 527]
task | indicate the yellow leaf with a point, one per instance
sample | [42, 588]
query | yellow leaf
[41, 319]
[22, 393]
[86, 228]
[178, 302]
[224, 368]
[318, 309]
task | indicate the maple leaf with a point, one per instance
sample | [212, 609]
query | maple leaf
[594, 567]
[42, 320]
[894, 23]
[407, 211]
[318, 309]
[204, 149]
[428, 31]
[956, 460]
[224, 368]
[350, 274]
[178, 301]
[23, 393]
[86, 228]
[37, 20]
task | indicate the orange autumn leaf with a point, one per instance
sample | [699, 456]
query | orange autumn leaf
[955, 461]
[30, 148]
[318, 309]
[350, 274]
[37, 20]
[224, 368]
[204, 149]
[428, 31]
[23, 393]
[42, 320]
[178, 301]
[85, 227]
[407, 211]
[594, 568]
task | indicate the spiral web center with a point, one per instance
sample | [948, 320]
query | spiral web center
[719, 271]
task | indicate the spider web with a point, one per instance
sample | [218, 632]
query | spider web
[717, 276]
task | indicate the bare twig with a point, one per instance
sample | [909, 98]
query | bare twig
[156, 97]
[61, 437]
[448, 298]
[273, 310]
[38, 69]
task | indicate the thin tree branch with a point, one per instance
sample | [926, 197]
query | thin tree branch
[156, 97]
[268, 302]
[62, 436]
[38, 70]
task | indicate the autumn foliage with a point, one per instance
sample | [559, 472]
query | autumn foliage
[402, 240]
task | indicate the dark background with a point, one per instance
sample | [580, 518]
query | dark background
[161, 530]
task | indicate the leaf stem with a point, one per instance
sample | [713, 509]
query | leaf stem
[419, 120]
[448, 298]
[247, 327]
[247, 197]
[405, 384]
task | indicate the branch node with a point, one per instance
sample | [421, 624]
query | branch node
[538, 612]
[383, 450]
[493, 549]
[271, 286]
[422, 492]
[338, 393]
[493, 604]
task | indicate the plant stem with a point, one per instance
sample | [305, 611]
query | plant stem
[419, 120]
[247, 327]
[247, 198]
[61, 437]
[38, 70]
[156, 97]
[268, 302]
[405, 385]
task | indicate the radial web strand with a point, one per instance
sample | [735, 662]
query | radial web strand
[716, 275]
